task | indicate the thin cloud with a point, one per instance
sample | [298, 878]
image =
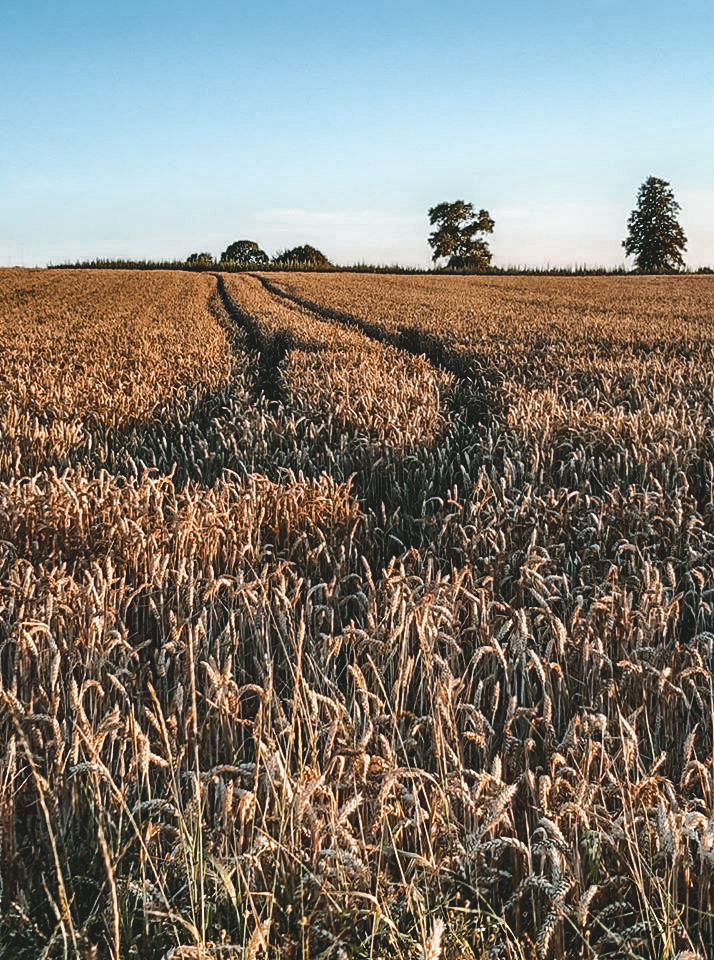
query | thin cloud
[294, 216]
[347, 236]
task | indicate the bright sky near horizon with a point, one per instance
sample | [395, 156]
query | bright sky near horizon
[161, 128]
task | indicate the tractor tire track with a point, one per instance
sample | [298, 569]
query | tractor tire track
[400, 492]
[270, 351]
[469, 396]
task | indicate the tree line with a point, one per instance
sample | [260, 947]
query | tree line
[247, 253]
[655, 239]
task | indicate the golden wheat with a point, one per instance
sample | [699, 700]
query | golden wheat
[311, 645]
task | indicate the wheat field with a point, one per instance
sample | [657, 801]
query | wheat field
[348, 616]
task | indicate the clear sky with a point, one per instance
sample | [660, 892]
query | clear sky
[158, 128]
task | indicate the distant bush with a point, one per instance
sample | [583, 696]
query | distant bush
[244, 253]
[200, 259]
[301, 256]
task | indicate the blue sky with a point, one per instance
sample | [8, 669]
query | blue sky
[155, 129]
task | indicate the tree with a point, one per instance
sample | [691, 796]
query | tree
[655, 236]
[244, 253]
[302, 256]
[200, 259]
[456, 235]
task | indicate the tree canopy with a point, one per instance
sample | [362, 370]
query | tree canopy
[244, 253]
[655, 237]
[456, 236]
[304, 255]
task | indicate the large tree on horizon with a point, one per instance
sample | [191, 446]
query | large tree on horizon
[456, 236]
[655, 236]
